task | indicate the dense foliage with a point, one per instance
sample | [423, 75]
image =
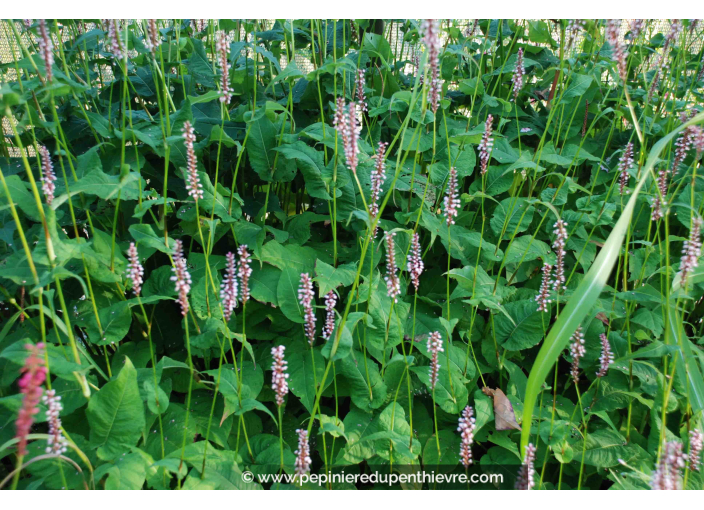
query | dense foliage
[477, 244]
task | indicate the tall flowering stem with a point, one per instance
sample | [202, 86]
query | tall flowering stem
[393, 283]
[415, 261]
[543, 297]
[153, 39]
[359, 91]
[228, 287]
[431, 39]
[466, 426]
[625, 163]
[48, 175]
[279, 376]
[303, 460]
[606, 358]
[181, 277]
[577, 351]
[451, 202]
[526, 473]
[195, 188]
[244, 271]
[222, 47]
[33, 376]
[666, 476]
[56, 442]
[305, 298]
[434, 348]
[691, 250]
[518, 74]
[46, 48]
[135, 271]
[377, 180]
[559, 246]
[659, 201]
[330, 302]
[486, 144]
[613, 27]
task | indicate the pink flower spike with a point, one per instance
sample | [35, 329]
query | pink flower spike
[46, 48]
[330, 302]
[466, 427]
[625, 163]
[434, 347]
[30, 384]
[451, 202]
[393, 283]
[279, 377]
[195, 188]
[577, 351]
[415, 261]
[135, 271]
[222, 47]
[303, 460]
[244, 271]
[56, 442]
[518, 74]
[691, 251]
[48, 175]
[228, 287]
[606, 358]
[431, 38]
[305, 298]
[486, 145]
[181, 276]
[543, 297]
[359, 91]
[526, 474]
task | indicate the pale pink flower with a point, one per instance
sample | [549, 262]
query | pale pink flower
[46, 48]
[279, 377]
[181, 276]
[393, 283]
[303, 460]
[244, 271]
[114, 38]
[526, 474]
[359, 91]
[518, 74]
[658, 204]
[193, 184]
[613, 27]
[559, 246]
[451, 201]
[152, 40]
[696, 441]
[415, 261]
[431, 39]
[56, 442]
[434, 348]
[377, 180]
[691, 250]
[330, 302]
[346, 124]
[543, 297]
[466, 427]
[636, 28]
[486, 144]
[228, 287]
[666, 476]
[606, 358]
[30, 384]
[222, 47]
[625, 163]
[135, 271]
[577, 351]
[48, 175]
[305, 298]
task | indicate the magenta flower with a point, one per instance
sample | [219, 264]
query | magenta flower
[393, 283]
[303, 460]
[330, 302]
[181, 277]
[451, 202]
[625, 163]
[434, 348]
[33, 376]
[228, 287]
[486, 144]
[135, 271]
[46, 48]
[526, 474]
[466, 427]
[415, 261]
[305, 298]
[543, 297]
[193, 185]
[279, 377]
[56, 442]
[606, 358]
[48, 175]
[244, 271]
[222, 47]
